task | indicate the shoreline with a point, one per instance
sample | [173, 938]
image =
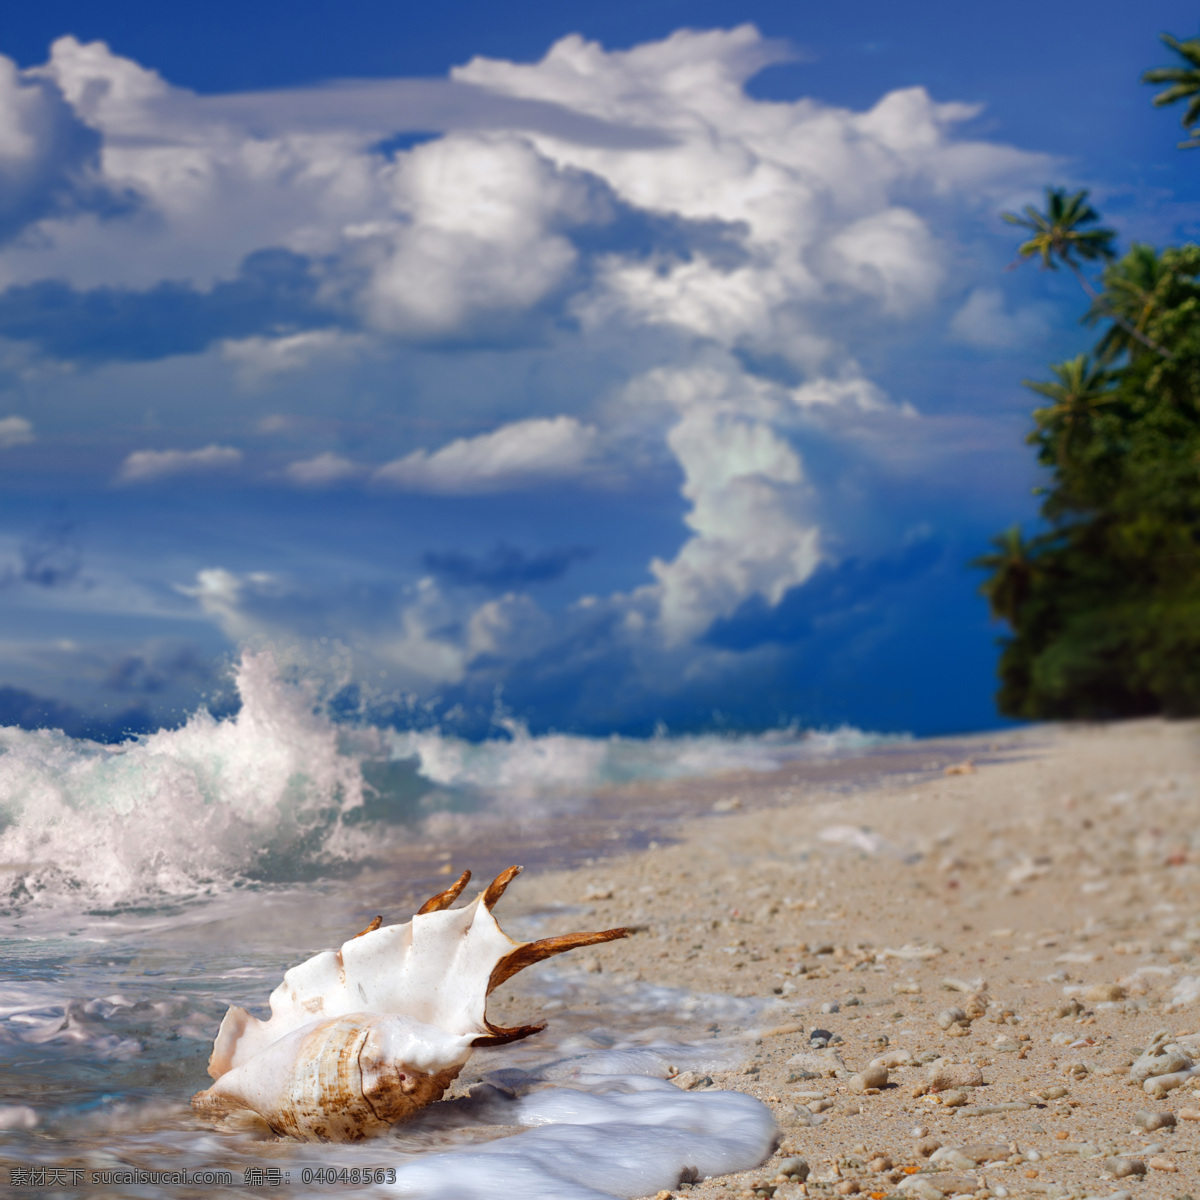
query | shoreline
[1052, 868]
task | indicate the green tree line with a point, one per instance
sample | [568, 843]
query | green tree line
[1103, 604]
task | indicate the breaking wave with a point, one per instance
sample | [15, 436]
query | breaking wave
[280, 789]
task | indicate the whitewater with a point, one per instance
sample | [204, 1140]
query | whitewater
[147, 886]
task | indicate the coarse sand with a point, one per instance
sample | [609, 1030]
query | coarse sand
[1047, 888]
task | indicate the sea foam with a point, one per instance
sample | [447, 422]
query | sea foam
[276, 792]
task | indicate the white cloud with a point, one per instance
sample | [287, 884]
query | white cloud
[257, 359]
[751, 531]
[145, 466]
[324, 470]
[15, 431]
[514, 456]
[985, 321]
[638, 200]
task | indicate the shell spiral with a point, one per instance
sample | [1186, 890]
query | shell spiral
[363, 1037]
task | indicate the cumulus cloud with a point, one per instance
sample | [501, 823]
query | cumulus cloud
[324, 470]
[15, 431]
[751, 534]
[728, 262]
[148, 466]
[518, 455]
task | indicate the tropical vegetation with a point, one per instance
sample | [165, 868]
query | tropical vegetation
[1103, 599]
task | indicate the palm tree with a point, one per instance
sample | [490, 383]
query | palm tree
[1185, 85]
[1134, 288]
[1012, 568]
[1058, 236]
[1081, 388]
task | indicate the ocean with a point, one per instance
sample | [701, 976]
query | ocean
[149, 885]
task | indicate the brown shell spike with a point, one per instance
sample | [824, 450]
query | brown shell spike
[497, 887]
[446, 898]
[531, 952]
[501, 1036]
[374, 925]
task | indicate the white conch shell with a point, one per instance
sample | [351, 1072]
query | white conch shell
[362, 1037]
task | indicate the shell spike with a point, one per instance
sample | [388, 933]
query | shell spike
[446, 898]
[532, 952]
[497, 887]
[374, 925]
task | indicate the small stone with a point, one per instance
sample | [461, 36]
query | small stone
[1189, 1114]
[692, 1081]
[831, 1006]
[919, 1131]
[880, 1164]
[1072, 1008]
[954, 1098]
[1104, 993]
[927, 1145]
[942, 1075]
[851, 1108]
[872, 1077]
[848, 1187]
[975, 1006]
[1123, 1168]
[598, 891]
[1154, 1120]
[1161, 1164]
[1161, 1057]
[1052, 1093]
[893, 1058]
[794, 1168]
[949, 1017]
[1006, 1045]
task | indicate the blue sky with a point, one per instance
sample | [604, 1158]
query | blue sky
[610, 367]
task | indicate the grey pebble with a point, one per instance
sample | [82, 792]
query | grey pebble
[1155, 1120]
[1123, 1168]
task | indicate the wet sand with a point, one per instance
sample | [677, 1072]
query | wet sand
[1045, 883]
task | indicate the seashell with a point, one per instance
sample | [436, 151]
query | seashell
[362, 1037]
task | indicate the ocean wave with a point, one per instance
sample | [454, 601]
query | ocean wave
[280, 790]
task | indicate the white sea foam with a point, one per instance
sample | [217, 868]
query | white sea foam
[521, 764]
[279, 787]
[603, 1136]
[172, 811]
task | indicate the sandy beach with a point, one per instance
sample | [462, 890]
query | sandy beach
[1007, 932]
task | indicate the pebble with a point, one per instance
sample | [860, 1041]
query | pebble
[1102, 993]
[1161, 1057]
[1162, 1164]
[873, 1077]
[987, 1110]
[1123, 1168]
[949, 1017]
[928, 1145]
[831, 1006]
[942, 1075]
[954, 1098]
[1189, 1114]
[975, 1006]
[1154, 1120]
[794, 1168]
[941, 1184]
[893, 1058]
